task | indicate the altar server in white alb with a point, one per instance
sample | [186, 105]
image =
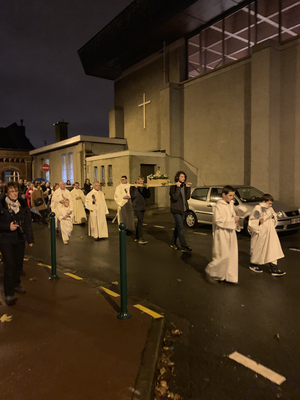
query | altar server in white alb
[224, 266]
[78, 202]
[58, 199]
[65, 216]
[123, 200]
[95, 202]
[265, 244]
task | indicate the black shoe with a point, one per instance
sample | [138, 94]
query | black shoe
[96, 239]
[20, 290]
[10, 300]
[278, 273]
[186, 249]
[174, 246]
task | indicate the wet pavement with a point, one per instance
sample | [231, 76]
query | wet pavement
[65, 342]
[258, 318]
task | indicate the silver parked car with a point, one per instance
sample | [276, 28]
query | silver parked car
[204, 198]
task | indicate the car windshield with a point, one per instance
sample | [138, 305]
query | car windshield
[248, 194]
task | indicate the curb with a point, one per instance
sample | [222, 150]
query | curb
[145, 381]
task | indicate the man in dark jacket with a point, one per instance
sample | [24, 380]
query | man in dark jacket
[179, 195]
[138, 198]
[15, 229]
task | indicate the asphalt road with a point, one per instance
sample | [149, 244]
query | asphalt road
[258, 318]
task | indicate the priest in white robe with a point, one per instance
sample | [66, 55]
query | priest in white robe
[65, 217]
[58, 199]
[265, 244]
[78, 198]
[123, 200]
[95, 202]
[224, 266]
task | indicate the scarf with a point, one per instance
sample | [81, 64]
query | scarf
[13, 205]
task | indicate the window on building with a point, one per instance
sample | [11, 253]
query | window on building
[95, 174]
[231, 38]
[64, 168]
[47, 161]
[70, 168]
[102, 175]
[11, 175]
[110, 176]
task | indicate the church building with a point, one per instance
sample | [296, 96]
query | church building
[208, 87]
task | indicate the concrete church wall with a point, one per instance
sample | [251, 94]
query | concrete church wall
[214, 119]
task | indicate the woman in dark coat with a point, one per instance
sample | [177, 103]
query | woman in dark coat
[36, 195]
[87, 186]
[15, 230]
[179, 195]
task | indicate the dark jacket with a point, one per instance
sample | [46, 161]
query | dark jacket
[23, 219]
[177, 200]
[138, 197]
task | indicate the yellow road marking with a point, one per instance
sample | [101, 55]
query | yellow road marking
[148, 311]
[44, 265]
[25, 259]
[110, 292]
[74, 276]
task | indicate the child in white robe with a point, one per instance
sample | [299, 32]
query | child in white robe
[265, 244]
[224, 266]
[65, 216]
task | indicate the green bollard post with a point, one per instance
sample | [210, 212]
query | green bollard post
[53, 246]
[124, 314]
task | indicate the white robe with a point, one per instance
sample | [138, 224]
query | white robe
[225, 249]
[79, 212]
[97, 220]
[59, 195]
[125, 211]
[66, 225]
[265, 244]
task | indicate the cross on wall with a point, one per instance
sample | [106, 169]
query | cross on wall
[143, 104]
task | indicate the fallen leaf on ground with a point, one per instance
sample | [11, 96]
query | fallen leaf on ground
[176, 397]
[115, 283]
[179, 280]
[6, 318]
[33, 278]
[176, 332]
[277, 336]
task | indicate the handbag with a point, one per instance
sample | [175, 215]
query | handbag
[38, 202]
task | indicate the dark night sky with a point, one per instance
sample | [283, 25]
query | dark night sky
[42, 79]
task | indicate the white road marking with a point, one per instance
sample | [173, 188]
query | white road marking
[294, 249]
[258, 368]
[158, 226]
[200, 233]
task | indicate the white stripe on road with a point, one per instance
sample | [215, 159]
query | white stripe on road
[256, 367]
[294, 249]
[158, 226]
[200, 233]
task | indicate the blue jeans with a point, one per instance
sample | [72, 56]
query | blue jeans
[178, 231]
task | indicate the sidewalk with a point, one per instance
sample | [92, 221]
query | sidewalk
[65, 342]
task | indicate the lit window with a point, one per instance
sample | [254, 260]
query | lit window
[110, 176]
[95, 174]
[70, 168]
[102, 174]
[63, 168]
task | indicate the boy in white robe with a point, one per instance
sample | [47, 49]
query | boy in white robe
[123, 200]
[78, 204]
[265, 244]
[58, 199]
[224, 266]
[95, 202]
[65, 216]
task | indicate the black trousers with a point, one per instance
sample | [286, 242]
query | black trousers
[12, 256]
[139, 226]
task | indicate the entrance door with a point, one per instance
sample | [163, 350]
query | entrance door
[148, 169]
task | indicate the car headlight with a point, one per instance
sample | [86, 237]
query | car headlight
[280, 214]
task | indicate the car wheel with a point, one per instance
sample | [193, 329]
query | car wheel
[191, 219]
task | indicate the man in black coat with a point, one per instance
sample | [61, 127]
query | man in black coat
[15, 229]
[138, 198]
[179, 195]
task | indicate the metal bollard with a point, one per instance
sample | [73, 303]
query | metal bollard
[53, 246]
[124, 314]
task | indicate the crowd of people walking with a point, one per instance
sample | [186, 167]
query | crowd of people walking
[25, 202]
